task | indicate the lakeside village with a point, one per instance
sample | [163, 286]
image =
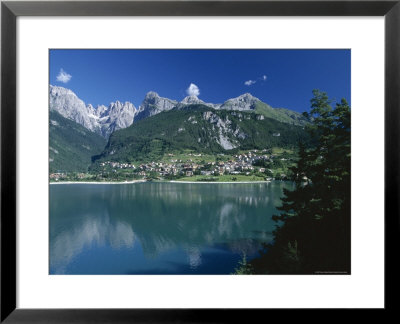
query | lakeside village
[253, 165]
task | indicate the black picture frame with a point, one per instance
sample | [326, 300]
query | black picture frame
[10, 10]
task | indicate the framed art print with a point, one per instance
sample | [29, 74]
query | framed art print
[154, 161]
[186, 186]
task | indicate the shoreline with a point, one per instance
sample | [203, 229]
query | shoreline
[219, 182]
[98, 182]
[171, 181]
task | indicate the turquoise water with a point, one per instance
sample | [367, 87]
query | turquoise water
[159, 228]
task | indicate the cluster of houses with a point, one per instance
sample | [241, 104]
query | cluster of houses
[61, 175]
[57, 176]
[117, 165]
[241, 164]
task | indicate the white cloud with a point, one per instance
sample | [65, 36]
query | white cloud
[264, 77]
[249, 82]
[193, 90]
[63, 76]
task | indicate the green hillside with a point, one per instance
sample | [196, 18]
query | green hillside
[281, 114]
[71, 145]
[200, 129]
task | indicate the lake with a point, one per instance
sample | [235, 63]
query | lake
[159, 227]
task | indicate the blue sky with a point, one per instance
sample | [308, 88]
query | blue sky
[281, 78]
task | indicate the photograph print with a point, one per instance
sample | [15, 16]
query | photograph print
[200, 161]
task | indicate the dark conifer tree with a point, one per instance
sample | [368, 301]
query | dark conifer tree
[313, 229]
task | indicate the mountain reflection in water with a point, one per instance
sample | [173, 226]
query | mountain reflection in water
[163, 228]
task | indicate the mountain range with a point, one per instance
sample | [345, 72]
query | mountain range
[104, 120]
[160, 125]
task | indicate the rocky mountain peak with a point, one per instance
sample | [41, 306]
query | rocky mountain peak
[245, 101]
[190, 100]
[68, 105]
[247, 97]
[116, 104]
[154, 104]
[102, 120]
[60, 91]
